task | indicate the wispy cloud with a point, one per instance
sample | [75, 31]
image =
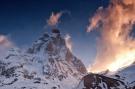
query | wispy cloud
[4, 41]
[54, 18]
[5, 45]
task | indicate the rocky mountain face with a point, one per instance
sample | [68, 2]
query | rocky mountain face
[48, 64]
[56, 49]
[123, 79]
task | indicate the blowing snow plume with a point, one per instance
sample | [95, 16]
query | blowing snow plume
[115, 46]
[68, 42]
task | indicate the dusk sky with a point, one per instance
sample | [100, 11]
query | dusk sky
[24, 21]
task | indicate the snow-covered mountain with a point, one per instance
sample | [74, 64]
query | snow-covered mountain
[48, 64]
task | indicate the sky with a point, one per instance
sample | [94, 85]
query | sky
[23, 21]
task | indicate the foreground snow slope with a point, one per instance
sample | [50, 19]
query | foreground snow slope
[123, 79]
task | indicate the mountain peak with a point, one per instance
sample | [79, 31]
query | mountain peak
[47, 61]
[54, 46]
[56, 33]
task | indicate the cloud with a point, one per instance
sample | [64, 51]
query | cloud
[5, 45]
[54, 18]
[4, 41]
[115, 46]
[68, 42]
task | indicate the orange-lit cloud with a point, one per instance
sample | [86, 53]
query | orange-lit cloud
[115, 46]
[54, 18]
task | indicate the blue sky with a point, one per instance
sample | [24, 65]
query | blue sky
[24, 21]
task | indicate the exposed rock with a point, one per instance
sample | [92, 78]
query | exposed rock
[96, 81]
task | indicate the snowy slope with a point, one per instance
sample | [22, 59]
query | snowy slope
[123, 79]
[127, 75]
[48, 64]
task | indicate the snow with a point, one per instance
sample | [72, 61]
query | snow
[39, 69]
[80, 85]
[128, 74]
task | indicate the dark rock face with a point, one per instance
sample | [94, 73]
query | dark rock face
[96, 81]
[79, 65]
[7, 72]
[55, 31]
